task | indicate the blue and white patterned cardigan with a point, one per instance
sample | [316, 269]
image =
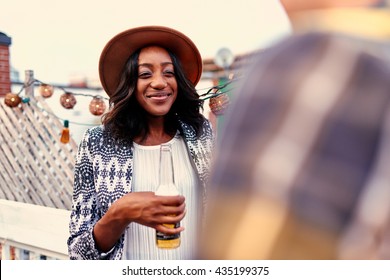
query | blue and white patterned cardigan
[103, 173]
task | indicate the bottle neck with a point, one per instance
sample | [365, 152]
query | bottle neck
[166, 165]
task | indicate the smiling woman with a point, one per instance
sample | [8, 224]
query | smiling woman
[156, 86]
[150, 74]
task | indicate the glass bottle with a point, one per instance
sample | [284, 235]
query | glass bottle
[167, 187]
[65, 137]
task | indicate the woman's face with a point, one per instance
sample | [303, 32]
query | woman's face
[156, 85]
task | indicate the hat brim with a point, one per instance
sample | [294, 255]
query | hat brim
[123, 45]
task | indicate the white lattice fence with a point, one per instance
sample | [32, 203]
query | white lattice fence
[35, 167]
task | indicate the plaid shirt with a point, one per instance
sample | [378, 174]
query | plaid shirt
[301, 170]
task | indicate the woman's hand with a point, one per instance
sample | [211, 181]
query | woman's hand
[144, 208]
[152, 210]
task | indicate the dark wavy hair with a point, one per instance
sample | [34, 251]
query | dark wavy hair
[126, 119]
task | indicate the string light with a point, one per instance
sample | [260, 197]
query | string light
[46, 90]
[97, 106]
[219, 103]
[12, 100]
[68, 100]
[219, 100]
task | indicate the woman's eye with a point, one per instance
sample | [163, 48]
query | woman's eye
[169, 73]
[144, 75]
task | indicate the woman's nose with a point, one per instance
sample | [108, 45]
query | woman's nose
[159, 82]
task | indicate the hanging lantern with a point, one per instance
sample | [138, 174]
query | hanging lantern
[97, 106]
[12, 100]
[46, 90]
[68, 100]
[219, 103]
[65, 133]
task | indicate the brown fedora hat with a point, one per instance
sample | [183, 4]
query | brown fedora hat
[123, 45]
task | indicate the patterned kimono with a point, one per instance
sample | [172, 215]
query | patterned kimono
[103, 174]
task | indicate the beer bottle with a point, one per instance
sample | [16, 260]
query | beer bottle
[167, 187]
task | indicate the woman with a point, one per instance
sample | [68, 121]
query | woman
[150, 74]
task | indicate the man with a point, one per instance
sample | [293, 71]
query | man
[300, 172]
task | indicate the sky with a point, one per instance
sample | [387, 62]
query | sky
[61, 41]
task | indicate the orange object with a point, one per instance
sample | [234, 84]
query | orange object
[65, 133]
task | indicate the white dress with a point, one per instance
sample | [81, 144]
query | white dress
[140, 241]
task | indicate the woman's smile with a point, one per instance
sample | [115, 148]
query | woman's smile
[161, 96]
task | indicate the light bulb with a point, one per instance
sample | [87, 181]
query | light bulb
[46, 90]
[97, 106]
[12, 100]
[218, 104]
[68, 100]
